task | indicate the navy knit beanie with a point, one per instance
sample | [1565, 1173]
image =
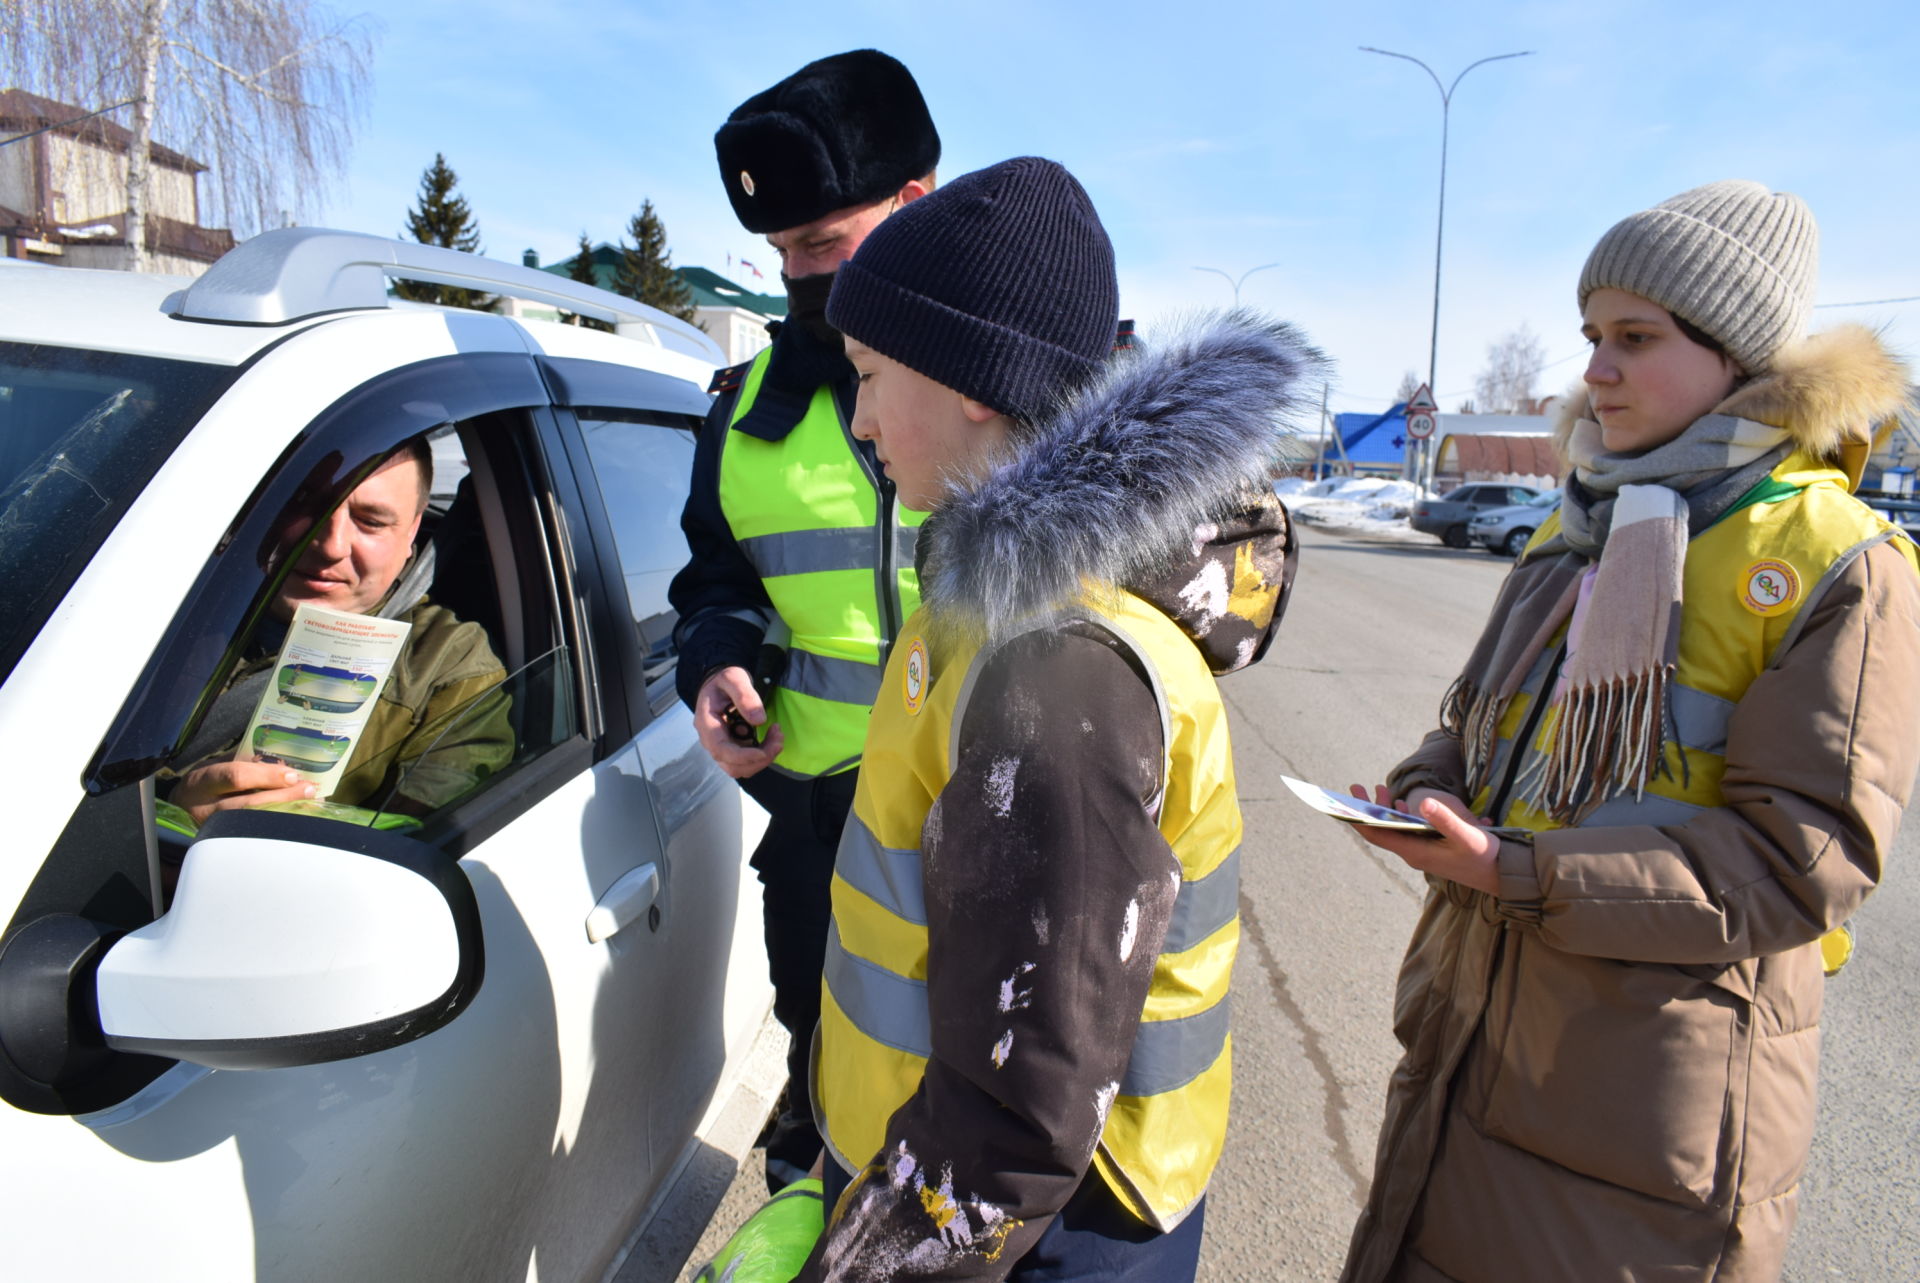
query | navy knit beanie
[999, 285]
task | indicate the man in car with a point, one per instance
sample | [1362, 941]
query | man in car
[363, 560]
[794, 531]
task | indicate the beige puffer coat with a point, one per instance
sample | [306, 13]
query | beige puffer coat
[1562, 1115]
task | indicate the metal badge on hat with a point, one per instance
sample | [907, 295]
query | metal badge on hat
[746, 182]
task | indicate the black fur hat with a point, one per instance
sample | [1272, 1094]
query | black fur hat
[842, 131]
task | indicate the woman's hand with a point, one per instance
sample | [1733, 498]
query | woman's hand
[1461, 851]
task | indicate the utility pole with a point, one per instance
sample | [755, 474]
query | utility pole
[1236, 284]
[1440, 229]
[1320, 455]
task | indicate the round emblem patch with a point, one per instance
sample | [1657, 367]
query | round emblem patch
[913, 680]
[1770, 587]
[746, 182]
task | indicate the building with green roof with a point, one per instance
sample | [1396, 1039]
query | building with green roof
[734, 316]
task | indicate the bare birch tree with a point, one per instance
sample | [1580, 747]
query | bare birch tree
[266, 92]
[1507, 382]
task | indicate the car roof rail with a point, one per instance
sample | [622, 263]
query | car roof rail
[292, 273]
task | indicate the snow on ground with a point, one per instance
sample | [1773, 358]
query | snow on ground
[1366, 505]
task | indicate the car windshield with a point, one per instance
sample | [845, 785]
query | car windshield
[81, 433]
[1546, 500]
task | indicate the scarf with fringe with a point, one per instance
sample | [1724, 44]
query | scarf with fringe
[1626, 519]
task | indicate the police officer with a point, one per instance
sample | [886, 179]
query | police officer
[798, 544]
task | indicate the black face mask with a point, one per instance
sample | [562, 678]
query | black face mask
[807, 304]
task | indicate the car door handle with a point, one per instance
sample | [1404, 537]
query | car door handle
[628, 898]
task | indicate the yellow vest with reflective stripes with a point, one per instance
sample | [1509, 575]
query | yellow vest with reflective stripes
[836, 558]
[1748, 582]
[1166, 1127]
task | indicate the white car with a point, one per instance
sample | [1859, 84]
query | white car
[476, 1045]
[1505, 531]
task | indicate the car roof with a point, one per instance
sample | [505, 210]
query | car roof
[293, 279]
[111, 311]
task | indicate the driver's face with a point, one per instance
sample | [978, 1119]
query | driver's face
[362, 545]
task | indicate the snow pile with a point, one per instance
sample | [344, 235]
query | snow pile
[1370, 505]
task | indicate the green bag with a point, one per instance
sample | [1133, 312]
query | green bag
[774, 1243]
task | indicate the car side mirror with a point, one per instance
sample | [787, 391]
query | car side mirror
[291, 940]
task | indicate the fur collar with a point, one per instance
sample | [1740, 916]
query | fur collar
[1830, 390]
[1113, 487]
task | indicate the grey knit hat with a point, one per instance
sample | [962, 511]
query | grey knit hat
[1734, 259]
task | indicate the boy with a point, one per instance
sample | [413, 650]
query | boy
[1023, 1060]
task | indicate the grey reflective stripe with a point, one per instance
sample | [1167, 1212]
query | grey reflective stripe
[1503, 747]
[906, 540]
[825, 677]
[892, 1010]
[884, 1005]
[1819, 590]
[1650, 809]
[1699, 719]
[1169, 1054]
[805, 552]
[890, 876]
[1203, 906]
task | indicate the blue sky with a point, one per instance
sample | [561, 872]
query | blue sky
[1209, 134]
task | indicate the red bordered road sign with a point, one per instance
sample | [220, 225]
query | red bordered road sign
[1420, 426]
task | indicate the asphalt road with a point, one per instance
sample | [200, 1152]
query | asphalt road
[1375, 632]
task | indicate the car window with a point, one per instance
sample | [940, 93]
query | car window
[643, 463]
[486, 684]
[81, 433]
[445, 722]
[1520, 494]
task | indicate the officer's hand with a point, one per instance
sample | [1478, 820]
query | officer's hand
[730, 743]
[227, 786]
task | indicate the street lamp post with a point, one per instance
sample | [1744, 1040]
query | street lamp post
[1440, 230]
[1236, 284]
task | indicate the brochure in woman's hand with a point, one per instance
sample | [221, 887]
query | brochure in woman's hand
[1354, 811]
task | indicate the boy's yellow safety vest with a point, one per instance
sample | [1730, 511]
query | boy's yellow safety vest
[1166, 1127]
[836, 558]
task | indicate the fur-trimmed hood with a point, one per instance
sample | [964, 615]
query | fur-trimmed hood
[1831, 391]
[1154, 478]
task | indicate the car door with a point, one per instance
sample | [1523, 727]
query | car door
[637, 463]
[516, 1139]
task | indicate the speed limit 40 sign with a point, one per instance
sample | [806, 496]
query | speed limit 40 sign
[1420, 426]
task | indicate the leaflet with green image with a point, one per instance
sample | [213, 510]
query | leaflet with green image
[326, 682]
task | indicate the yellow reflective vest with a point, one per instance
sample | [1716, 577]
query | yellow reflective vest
[1750, 580]
[1166, 1125]
[835, 555]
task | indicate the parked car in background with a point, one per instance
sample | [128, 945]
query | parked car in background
[1451, 515]
[1506, 530]
[476, 1042]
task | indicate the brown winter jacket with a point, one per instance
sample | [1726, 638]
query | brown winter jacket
[1560, 1113]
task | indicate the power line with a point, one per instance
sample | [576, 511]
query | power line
[1874, 302]
[1445, 396]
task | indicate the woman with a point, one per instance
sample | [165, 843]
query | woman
[1023, 1064]
[1692, 716]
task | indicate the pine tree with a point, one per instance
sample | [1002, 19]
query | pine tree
[581, 269]
[645, 270]
[445, 219]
